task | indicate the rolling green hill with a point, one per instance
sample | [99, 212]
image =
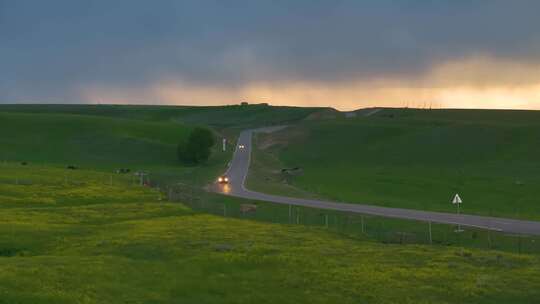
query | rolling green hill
[104, 143]
[412, 159]
[83, 240]
[87, 140]
[136, 137]
[233, 116]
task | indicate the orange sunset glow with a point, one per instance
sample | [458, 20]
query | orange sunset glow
[479, 82]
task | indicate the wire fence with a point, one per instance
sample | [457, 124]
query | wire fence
[381, 229]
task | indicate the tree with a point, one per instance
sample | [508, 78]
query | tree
[197, 148]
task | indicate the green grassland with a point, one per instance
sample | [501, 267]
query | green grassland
[378, 229]
[91, 236]
[83, 240]
[103, 143]
[218, 117]
[145, 138]
[86, 140]
[411, 159]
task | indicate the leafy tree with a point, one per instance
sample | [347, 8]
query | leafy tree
[197, 148]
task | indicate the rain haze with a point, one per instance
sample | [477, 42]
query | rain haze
[344, 54]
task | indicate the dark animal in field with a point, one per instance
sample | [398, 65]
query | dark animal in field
[72, 167]
[292, 171]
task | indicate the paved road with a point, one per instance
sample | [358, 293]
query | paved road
[239, 166]
[374, 111]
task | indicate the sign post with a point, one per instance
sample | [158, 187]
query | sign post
[224, 144]
[457, 201]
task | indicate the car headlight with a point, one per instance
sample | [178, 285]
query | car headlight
[226, 179]
[220, 179]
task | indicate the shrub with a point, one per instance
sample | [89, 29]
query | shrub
[197, 148]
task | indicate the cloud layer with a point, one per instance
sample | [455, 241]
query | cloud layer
[342, 53]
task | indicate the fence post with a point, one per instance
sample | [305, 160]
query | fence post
[290, 214]
[326, 220]
[430, 235]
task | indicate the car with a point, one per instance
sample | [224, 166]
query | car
[241, 146]
[223, 179]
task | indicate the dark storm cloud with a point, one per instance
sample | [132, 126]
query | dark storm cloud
[50, 50]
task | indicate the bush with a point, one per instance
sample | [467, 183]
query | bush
[197, 148]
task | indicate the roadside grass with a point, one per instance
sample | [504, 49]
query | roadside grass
[265, 175]
[375, 228]
[416, 159]
[126, 245]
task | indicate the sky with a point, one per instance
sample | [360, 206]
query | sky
[346, 54]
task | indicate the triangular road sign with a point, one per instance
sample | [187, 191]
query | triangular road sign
[457, 199]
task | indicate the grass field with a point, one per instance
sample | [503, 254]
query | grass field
[102, 143]
[378, 229]
[86, 241]
[86, 140]
[218, 117]
[145, 138]
[414, 159]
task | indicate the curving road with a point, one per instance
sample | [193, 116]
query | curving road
[238, 169]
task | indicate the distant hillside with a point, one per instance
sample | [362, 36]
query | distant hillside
[88, 140]
[417, 159]
[113, 136]
[216, 116]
